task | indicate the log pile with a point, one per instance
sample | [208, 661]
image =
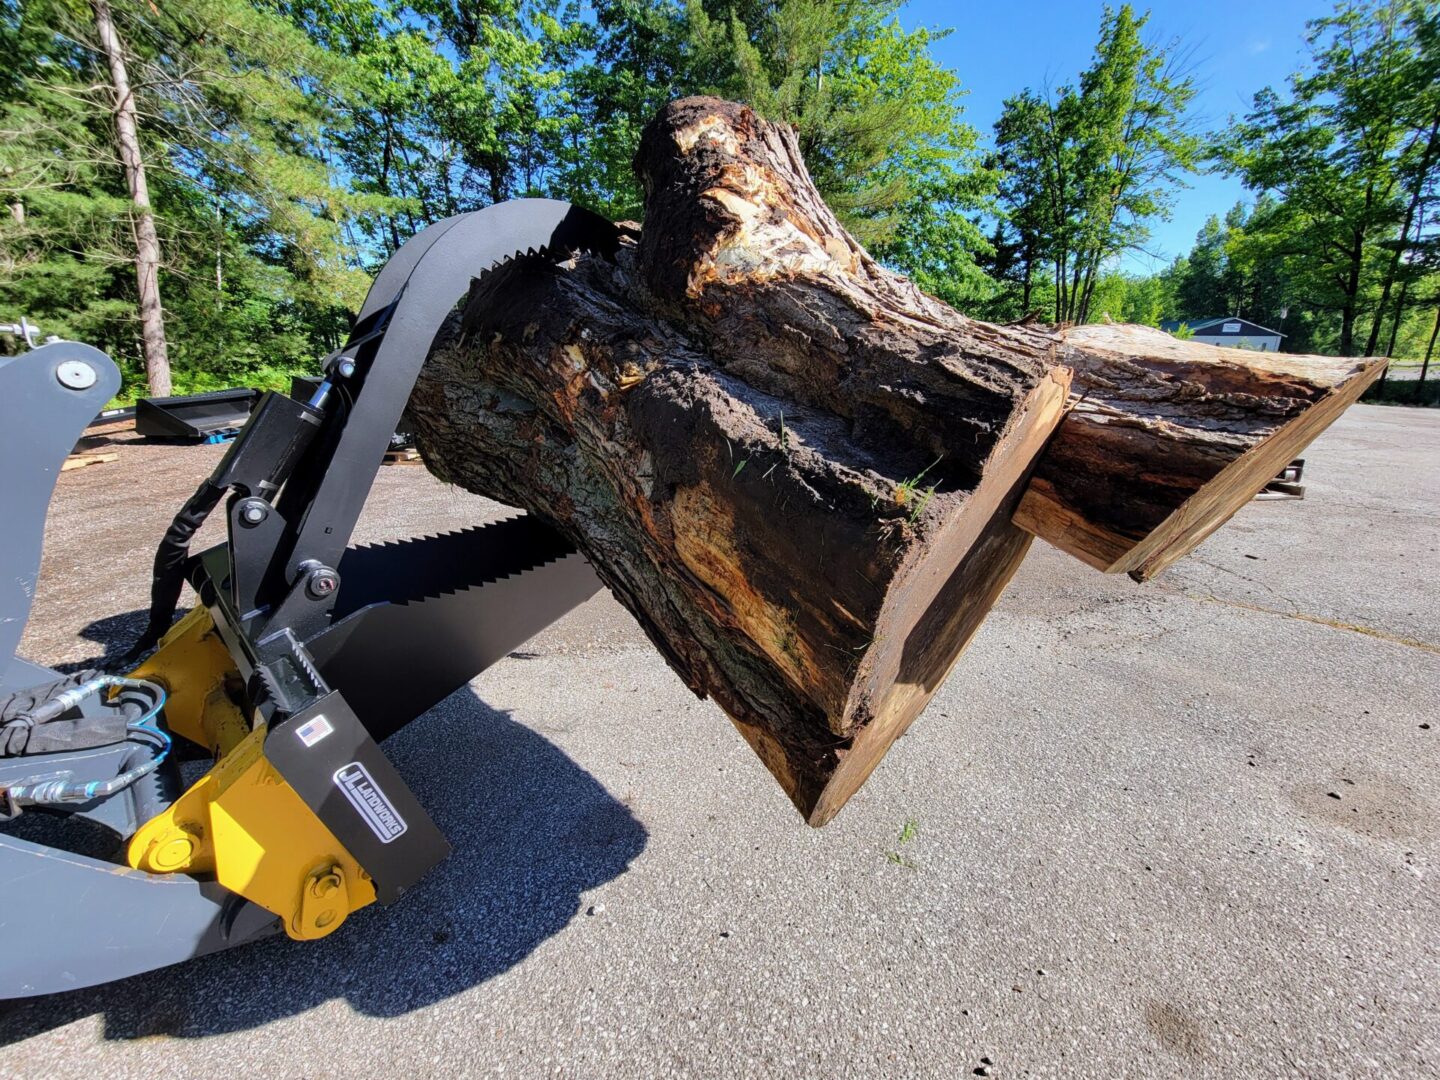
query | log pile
[808, 480]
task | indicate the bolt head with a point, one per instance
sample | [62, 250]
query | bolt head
[76, 375]
[346, 368]
[322, 583]
[253, 511]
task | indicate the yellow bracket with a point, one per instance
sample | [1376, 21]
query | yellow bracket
[201, 684]
[241, 821]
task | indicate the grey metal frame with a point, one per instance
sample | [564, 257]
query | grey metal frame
[43, 418]
[68, 921]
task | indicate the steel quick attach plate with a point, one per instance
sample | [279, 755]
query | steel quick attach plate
[327, 756]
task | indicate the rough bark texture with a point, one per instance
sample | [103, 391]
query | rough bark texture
[1169, 438]
[800, 473]
[147, 241]
[740, 421]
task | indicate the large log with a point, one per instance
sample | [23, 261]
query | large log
[810, 533]
[1169, 439]
[1166, 438]
[797, 470]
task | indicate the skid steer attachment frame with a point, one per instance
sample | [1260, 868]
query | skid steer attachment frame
[301, 655]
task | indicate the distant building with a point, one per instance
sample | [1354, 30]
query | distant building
[1228, 330]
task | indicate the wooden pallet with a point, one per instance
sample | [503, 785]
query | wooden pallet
[79, 461]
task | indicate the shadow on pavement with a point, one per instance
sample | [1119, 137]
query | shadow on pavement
[115, 634]
[532, 832]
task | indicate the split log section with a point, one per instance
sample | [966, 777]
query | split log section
[795, 469]
[1168, 439]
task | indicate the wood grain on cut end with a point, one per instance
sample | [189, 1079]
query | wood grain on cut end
[934, 615]
[1169, 438]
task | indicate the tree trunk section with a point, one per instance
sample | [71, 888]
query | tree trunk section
[809, 523]
[800, 473]
[147, 242]
[1169, 438]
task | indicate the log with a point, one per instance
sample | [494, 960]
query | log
[801, 474]
[1164, 440]
[1169, 438]
[810, 532]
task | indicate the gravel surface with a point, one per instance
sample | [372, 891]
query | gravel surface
[1190, 827]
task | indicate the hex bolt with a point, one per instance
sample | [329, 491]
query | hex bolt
[321, 583]
[346, 368]
[253, 511]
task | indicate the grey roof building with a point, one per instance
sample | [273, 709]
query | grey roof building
[1229, 330]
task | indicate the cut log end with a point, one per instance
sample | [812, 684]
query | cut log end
[1169, 438]
[935, 612]
[809, 481]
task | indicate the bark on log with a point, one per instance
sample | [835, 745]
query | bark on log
[1167, 439]
[798, 471]
[1170, 438]
[769, 518]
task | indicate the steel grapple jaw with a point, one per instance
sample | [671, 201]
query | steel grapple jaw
[301, 655]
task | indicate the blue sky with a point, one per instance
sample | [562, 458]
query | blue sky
[997, 49]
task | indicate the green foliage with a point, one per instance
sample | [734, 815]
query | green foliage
[1412, 392]
[878, 119]
[258, 275]
[1087, 167]
[292, 145]
[1337, 250]
[908, 833]
[1343, 155]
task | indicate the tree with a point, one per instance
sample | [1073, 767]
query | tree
[147, 243]
[1087, 167]
[227, 108]
[63, 245]
[1339, 150]
[1231, 271]
[878, 119]
[1417, 165]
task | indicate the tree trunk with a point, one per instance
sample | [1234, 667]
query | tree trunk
[1170, 438]
[795, 469]
[147, 243]
[1398, 319]
[1432, 144]
[1429, 351]
[1352, 296]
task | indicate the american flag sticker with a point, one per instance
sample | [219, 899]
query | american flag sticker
[313, 730]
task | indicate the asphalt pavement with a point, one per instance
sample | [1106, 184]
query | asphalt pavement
[1190, 827]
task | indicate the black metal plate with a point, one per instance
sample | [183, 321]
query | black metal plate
[326, 755]
[418, 619]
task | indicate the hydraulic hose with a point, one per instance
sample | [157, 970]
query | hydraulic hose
[168, 577]
[143, 729]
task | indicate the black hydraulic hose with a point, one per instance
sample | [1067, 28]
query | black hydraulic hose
[168, 577]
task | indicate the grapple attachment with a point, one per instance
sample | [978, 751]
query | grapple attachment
[302, 654]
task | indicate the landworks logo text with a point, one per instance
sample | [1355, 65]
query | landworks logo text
[370, 803]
